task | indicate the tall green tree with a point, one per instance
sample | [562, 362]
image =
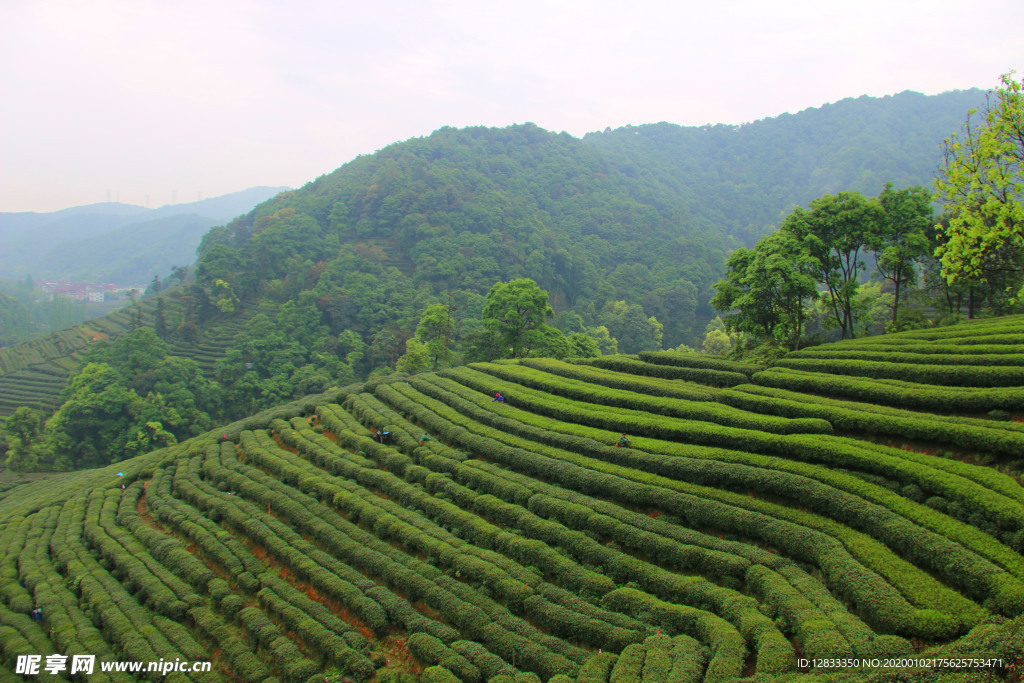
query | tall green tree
[633, 329]
[767, 288]
[836, 229]
[517, 312]
[22, 431]
[981, 187]
[416, 357]
[15, 323]
[160, 319]
[436, 332]
[902, 238]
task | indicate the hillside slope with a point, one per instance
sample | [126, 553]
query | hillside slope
[744, 177]
[34, 373]
[501, 541]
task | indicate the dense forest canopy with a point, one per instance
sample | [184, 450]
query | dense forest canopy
[462, 209]
[740, 178]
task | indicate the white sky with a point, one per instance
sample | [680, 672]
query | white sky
[170, 99]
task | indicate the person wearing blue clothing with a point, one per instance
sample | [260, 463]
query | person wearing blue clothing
[498, 397]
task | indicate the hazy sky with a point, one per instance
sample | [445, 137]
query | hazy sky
[170, 99]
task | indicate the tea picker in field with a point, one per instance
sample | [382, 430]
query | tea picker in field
[498, 397]
[425, 438]
[623, 441]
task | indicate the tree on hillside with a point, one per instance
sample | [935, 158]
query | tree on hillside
[102, 420]
[436, 331]
[992, 289]
[633, 329]
[416, 357]
[153, 288]
[835, 230]
[15, 321]
[769, 287]
[22, 430]
[160, 319]
[903, 237]
[389, 344]
[517, 312]
[981, 187]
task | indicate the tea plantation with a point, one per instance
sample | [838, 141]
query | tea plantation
[856, 504]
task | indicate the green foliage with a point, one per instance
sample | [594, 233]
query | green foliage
[26, 313]
[437, 221]
[972, 434]
[903, 239]
[14, 320]
[436, 331]
[769, 286]
[668, 388]
[981, 186]
[517, 312]
[835, 229]
[517, 541]
[696, 360]
[702, 375]
[631, 327]
[949, 375]
[746, 175]
[101, 420]
[21, 430]
[416, 357]
[131, 397]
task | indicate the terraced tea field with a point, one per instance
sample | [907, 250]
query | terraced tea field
[33, 373]
[747, 530]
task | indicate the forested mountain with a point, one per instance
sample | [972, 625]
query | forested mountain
[643, 215]
[740, 178]
[458, 211]
[112, 242]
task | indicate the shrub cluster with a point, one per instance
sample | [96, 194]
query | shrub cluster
[698, 360]
[634, 366]
[903, 394]
[880, 602]
[960, 375]
[667, 388]
[982, 436]
[533, 383]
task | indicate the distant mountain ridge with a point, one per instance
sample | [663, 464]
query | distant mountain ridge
[114, 242]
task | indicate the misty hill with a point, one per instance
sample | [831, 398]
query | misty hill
[111, 242]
